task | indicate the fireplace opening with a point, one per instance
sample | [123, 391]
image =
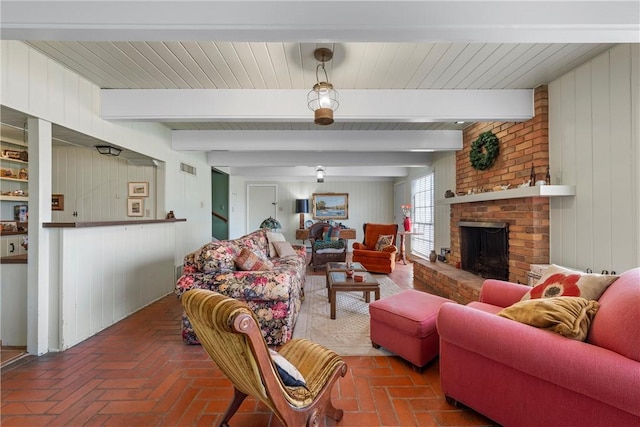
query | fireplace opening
[484, 248]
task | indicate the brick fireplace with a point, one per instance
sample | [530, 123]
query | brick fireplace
[521, 145]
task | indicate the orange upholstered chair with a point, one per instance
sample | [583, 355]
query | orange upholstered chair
[376, 261]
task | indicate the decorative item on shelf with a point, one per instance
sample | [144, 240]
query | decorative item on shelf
[484, 151]
[171, 215]
[541, 182]
[270, 224]
[358, 277]
[16, 155]
[532, 176]
[323, 98]
[448, 194]
[23, 174]
[525, 184]
[25, 243]
[302, 207]
[21, 213]
[547, 177]
[433, 256]
[406, 212]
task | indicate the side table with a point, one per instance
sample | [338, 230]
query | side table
[401, 251]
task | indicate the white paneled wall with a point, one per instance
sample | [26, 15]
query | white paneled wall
[96, 186]
[594, 144]
[42, 88]
[369, 201]
[444, 168]
[106, 273]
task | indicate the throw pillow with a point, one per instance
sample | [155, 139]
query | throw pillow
[274, 237]
[284, 249]
[326, 233]
[249, 261]
[384, 240]
[567, 316]
[288, 373]
[558, 281]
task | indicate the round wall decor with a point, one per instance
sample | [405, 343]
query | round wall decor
[484, 151]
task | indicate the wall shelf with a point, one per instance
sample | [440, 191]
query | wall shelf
[14, 198]
[13, 179]
[515, 193]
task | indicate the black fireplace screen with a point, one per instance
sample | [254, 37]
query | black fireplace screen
[484, 249]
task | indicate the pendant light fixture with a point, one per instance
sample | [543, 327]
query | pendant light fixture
[320, 173]
[323, 98]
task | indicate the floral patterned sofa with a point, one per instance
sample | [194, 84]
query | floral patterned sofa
[274, 295]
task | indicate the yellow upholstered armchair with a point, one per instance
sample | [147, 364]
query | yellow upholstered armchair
[229, 332]
[383, 258]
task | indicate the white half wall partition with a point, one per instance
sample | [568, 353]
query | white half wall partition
[102, 274]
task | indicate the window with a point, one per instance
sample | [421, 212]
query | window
[422, 190]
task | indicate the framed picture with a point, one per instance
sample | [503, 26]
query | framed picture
[138, 189]
[330, 205]
[135, 207]
[57, 202]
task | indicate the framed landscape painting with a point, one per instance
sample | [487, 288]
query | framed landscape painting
[330, 205]
[135, 207]
[138, 189]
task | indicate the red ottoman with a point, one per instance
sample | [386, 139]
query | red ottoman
[405, 324]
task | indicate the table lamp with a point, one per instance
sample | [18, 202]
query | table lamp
[302, 207]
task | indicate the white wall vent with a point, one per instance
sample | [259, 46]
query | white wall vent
[187, 168]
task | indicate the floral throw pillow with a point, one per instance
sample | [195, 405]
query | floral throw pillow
[384, 240]
[558, 281]
[249, 261]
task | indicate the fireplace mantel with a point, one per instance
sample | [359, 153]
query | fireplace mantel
[515, 193]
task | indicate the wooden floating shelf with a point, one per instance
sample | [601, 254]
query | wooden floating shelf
[515, 193]
[14, 198]
[14, 179]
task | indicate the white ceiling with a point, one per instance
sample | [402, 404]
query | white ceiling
[237, 47]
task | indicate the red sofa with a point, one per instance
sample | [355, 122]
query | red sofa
[518, 375]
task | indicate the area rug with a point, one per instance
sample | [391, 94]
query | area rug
[348, 334]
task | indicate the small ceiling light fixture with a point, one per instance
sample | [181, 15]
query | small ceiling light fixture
[320, 173]
[323, 98]
[108, 150]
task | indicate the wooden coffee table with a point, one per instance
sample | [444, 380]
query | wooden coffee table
[339, 282]
[342, 266]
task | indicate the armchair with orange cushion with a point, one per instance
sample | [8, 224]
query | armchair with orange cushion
[377, 254]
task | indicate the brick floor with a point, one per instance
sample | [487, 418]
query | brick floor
[139, 373]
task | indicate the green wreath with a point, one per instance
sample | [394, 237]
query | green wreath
[484, 151]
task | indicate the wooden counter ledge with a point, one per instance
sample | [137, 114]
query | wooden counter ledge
[109, 223]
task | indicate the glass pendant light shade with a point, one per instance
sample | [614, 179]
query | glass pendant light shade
[323, 101]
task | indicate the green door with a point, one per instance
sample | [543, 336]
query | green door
[219, 205]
